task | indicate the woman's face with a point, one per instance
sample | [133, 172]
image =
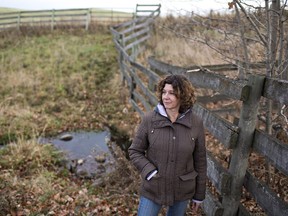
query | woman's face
[170, 101]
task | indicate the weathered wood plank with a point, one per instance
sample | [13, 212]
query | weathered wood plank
[135, 43]
[151, 97]
[122, 51]
[132, 28]
[214, 98]
[136, 107]
[164, 68]
[212, 206]
[276, 89]
[223, 130]
[140, 98]
[66, 15]
[115, 33]
[47, 16]
[149, 12]
[218, 175]
[149, 5]
[123, 25]
[226, 67]
[240, 156]
[128, 23]
[49, 11]
[204, 79]
[265, 197]
[226, 110]
[136, 34]
[272, 149]
[126, 72]
[220, 67]
[146, 71]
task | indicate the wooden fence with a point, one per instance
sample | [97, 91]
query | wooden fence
[57, 18]
[240, 138]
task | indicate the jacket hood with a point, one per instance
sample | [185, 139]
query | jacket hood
[183, 118]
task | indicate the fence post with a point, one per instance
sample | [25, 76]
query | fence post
[133, 54]
[19, 20]
[151, 84]
[240, 155]
[121, 58]
[52, 19]
[88, 16]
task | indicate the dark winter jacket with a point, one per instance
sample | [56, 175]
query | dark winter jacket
[177, 150]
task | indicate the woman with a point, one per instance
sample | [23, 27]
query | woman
[169, 151]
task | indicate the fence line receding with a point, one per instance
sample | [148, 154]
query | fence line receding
[240, 136]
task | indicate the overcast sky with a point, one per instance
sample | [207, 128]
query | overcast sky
[168, 6]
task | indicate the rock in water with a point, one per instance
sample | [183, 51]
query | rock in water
[66, 137]
[100, 158]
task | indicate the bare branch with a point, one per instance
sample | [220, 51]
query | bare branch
[225, 32]
[205, 42]
[282, 113]
[252, 23]
[242, 73]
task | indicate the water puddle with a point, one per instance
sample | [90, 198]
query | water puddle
[88, 153]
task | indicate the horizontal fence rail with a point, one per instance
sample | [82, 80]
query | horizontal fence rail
[242, 136]
[54, 18]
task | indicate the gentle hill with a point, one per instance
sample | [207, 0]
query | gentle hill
[4, 9]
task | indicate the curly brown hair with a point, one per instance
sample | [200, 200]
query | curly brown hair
[183, 90]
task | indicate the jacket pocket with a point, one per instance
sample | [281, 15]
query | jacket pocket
[152, 186]
[187, 184]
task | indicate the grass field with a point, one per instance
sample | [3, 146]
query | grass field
[4, 10]
[65, 81]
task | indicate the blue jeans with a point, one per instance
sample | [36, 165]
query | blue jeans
[149, 208]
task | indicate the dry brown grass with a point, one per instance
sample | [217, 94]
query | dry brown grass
[184, 42]
[183, 52]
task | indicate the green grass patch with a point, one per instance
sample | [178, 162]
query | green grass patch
[51, 81]
[54, 82]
